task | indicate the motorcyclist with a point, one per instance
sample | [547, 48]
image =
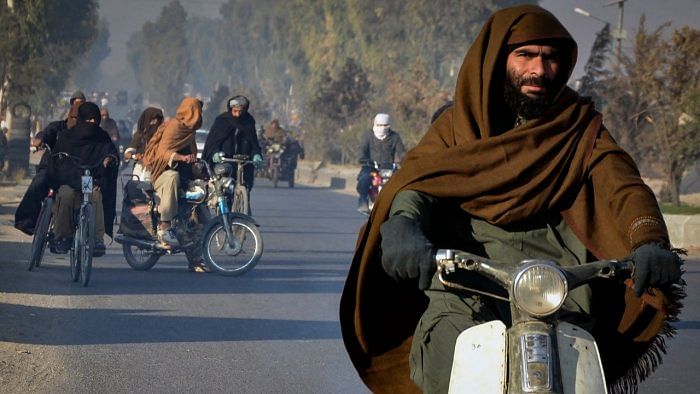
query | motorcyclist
[169, 155]
[381, 144]
[520, 167]
[28, 210]
[234, 133]
[87, 141]
[275, 134]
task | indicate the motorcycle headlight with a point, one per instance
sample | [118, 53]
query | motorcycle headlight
[386, 173]
[222, 169]
[540, 289]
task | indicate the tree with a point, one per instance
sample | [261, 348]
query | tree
[653, 103]
[159, 56]
[596, 72]
[341, 100]
[88, 74]
[41, 40]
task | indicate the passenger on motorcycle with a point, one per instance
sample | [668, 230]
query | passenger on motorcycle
[169, 157]
[27, 212]
[87, 141]
[520, 167]
[234, 133]
[382, 145]
[148, 123]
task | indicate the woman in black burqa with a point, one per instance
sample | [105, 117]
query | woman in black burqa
[87, 141]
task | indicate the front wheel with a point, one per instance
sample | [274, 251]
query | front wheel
[86, 247]
[275, 175]
[41, 234]
[232, 258]
[240, 200]
[139, 259]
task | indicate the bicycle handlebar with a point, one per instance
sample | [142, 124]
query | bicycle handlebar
[78, 161]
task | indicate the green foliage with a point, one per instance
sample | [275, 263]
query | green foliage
[159, 56]
[596, 72]
[287, 53]
[672, 209]
[41, 41]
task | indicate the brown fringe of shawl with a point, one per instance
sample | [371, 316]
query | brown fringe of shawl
[653, 356]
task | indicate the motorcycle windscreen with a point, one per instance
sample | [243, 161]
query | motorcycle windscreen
[579, 360]
[479, 364]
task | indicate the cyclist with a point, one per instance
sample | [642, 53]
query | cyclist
[28, 209]
[92, 145]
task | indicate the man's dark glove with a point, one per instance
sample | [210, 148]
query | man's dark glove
[406, 252]
[654, 266]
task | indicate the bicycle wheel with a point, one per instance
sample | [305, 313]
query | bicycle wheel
[87, 246]
[139, 259]
[237, 259]
[41, 234]
[75, 259]
[240, 200]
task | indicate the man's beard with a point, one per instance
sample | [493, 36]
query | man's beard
[523, 105]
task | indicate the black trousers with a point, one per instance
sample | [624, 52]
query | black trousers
[28, 210]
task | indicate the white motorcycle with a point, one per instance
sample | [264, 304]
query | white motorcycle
[539, 353]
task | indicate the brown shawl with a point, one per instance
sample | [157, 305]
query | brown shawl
[565, 161]
[275, 133]
[175, 134]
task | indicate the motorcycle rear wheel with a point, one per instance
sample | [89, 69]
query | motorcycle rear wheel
[139, 259]
[235, 260]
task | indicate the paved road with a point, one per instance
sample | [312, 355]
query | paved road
[274, 330]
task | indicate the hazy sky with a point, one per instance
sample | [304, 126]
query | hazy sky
[127, 16]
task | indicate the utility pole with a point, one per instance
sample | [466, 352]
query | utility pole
[618, 31]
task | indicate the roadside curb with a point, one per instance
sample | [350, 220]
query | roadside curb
[684, 230]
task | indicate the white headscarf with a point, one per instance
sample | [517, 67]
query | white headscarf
[381, 132]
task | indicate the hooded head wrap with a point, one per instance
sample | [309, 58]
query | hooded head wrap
[144, 128]
[78, 95]
[176, 134]
[89, 111]
[382, 125]
[503, 174]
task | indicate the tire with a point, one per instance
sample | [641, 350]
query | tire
[227, 261]
[240, 200]
[275, 176]
[41, 233]
[75, 260]
[144, 263]
[87, 246]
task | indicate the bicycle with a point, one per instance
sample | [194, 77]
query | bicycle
[81, 252]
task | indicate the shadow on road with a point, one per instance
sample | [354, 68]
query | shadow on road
[146, 326]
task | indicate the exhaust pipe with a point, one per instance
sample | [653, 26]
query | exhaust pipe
[141, 243]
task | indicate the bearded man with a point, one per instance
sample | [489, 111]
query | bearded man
[520, 167]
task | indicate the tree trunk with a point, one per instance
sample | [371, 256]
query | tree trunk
[674, 184]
